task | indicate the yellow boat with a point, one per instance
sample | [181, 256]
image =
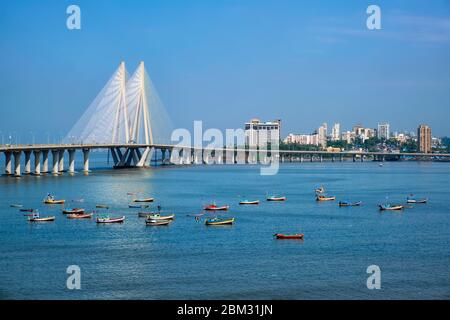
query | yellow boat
[53, 201]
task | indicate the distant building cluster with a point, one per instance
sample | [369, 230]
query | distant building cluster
[260, 134]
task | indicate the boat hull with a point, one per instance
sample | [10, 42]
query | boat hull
[350, 204]
[281, 236]
[44, 219]
[275, 199]
[80, 216]
[143, 200]
[325, 198]
[111, 220]
[219, 222]
[243, 203]
[215, 208]
[156, 223]
[54, 201]
[390, 208]
[73, 211]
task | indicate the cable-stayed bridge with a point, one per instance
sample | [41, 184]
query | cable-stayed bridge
[128, 119]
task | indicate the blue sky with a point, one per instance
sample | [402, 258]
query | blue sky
[224, 62]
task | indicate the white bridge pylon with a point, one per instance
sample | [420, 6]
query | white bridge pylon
[120, 114]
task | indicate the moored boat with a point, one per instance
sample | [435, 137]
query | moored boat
[276, 198]
[297, 236]
[80, 216]
[27, 210]
[151, 222]
[144, 200]
[217, 221]
[108, 219]
[53, 201]
[37, 218]
[349, 204]
[390, 207]
[214, 207]
[73, 211]
[249, 202]
[325, 198]
[413, 200]
[102, 206]
[160, 217]
[15, 205]
[138, 206]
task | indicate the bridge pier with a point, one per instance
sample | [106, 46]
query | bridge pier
[17, 163]
[312, 158]
[301, 158]
[61, 160]
[321, 158]
[86, 160]
[27, 162]
[71, 161]
[362, 158]
[55, 155]
[8, 165]
[354, 158]
[37, 162]
[341, 158]
[45, 161]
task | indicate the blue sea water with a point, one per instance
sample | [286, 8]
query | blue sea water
[189, 260]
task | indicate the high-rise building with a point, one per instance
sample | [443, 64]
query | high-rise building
[336, 132]
[304, 139]
[383, 131]
[322, 135]
[424, 138]
[260, 134]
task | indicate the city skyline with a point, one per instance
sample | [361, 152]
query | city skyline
[213, 63]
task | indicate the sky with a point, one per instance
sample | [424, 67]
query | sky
[225, 62]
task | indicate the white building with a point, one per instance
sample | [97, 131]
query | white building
[303, 139]
[260, 134]
[336, 132]
[348, 137]
[383, 131]
[322, 135]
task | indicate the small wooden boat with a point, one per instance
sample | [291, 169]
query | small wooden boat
[73, 211]
[102, 206]
[249, 202]
[390, 207]
[144, 200]
[53, 201]
[217, 221]
[80, 216]
[297, 236]
[146, 214]
[349, 204]
[160, 217]
[151, 222]
[15, 205]
[138, 206]
[41, 219]
[276, 198]
[412, 200]
[325, 198]
[213, 207]
[110, 220]
[27, 210]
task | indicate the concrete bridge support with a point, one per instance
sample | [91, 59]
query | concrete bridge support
[45, 161]
[55, 155]
[301, 158]
[61, 161]
[71, 161]
[37, 162]
[27, 162]
[86, 160]
[321, 158]
[17, 164]
[354, 158]
[8, 165]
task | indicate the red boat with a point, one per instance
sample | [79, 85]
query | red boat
[73, 211]
[213, 207]
[289, 236]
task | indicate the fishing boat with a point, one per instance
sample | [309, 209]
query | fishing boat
[297, 236]
[145, 214]
[214, 207]
[276, 198]
[413, 200]
[73, 211]
[27, 210]
[160, 217]
[324, 198]
[249, 202]
[390, 207]
[107, 219]
[51, 200]
[80, 216]
[349, 204]
[16, 205]
[102, 206]
[144, 200]
[138, 206]
[37, 218]
[151, 222]
[217, 221]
